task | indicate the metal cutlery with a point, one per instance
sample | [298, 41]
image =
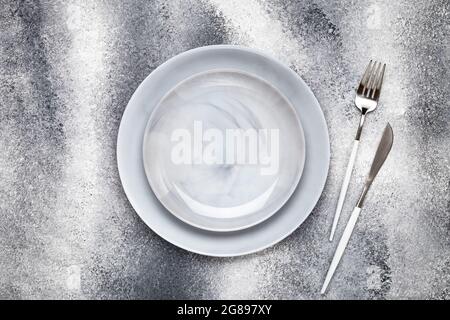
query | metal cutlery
[383, 150]
[366, 101]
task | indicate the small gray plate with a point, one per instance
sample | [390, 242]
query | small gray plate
[191, 147]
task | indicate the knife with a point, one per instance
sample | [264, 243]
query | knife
[384, 147]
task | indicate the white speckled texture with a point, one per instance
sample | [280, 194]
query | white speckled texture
[68, 70]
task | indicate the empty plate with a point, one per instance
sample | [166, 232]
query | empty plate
[131, 165]
[223, 150]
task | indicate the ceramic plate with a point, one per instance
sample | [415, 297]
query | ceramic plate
[223, 150]
[131, 165]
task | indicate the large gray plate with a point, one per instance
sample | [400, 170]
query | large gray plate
[130, 163]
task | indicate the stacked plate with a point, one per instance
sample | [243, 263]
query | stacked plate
[223, 151]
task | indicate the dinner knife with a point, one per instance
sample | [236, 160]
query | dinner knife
[384, 147]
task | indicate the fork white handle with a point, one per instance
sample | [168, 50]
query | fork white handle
[341, 247]
[343, 193]
[348, 173]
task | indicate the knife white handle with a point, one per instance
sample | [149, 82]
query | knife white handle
[343, 193]
[341, 247]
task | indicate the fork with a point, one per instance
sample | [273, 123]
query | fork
[366, 101]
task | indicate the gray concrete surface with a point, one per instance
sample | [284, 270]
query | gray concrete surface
[68, 69]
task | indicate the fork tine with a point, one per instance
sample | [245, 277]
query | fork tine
[371, 82]
[378, 83]
[367, 73]
[365, 78]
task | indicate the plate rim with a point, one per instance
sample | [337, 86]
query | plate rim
[136, 206]
[301, 137]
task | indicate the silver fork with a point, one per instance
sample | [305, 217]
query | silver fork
[366, 100]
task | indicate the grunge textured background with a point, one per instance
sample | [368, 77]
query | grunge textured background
[68, 69]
